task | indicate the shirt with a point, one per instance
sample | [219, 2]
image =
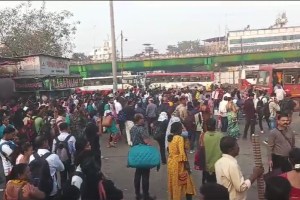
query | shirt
[138, 134]
[6, 149]
[212, 149]
[118, 107]
[278, 144]
[55, 165]
[222, 108]
[151, 110]
[228, 174]
[273, 107]
[280, 93]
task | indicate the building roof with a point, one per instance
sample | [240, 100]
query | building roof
[41, 54]
[9, 61]
[47, 76]
[264, 29]
[215, 39]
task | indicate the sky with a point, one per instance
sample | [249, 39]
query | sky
[164, 23]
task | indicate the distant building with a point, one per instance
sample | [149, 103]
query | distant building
[215, 45]
[263, 39]
[103, 53]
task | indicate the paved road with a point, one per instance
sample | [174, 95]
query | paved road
[114, 166]
[115, 160]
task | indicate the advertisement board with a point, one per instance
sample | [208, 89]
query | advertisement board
[54, 66]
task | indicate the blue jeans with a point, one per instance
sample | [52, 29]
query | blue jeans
[272, 123]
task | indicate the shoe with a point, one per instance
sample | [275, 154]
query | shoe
[139, 197]
[262, 132]
[192, 151]
[149, 198]
[265, 142]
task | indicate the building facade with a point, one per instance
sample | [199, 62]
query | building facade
[254, 40]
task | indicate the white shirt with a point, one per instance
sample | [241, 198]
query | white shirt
[77, 180]
[228, 174]
[222, 108]
[118, 107]
[280, 93]
[7, 166]
[55, 165]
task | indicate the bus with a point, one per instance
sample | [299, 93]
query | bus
[106, 83]
[286, 74]
[179, 80]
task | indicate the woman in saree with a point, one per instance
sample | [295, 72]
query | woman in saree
[233, 129]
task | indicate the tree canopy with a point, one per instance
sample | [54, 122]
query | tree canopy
[186, 47]
[25, 30]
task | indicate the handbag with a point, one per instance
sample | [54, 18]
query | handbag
[107, 121]
[143, 156]
[182, 178]
[199, 161]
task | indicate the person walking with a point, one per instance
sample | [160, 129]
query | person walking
[233, 129]
[280, 142]
[228, 171]
[249, 110]
[180, 182]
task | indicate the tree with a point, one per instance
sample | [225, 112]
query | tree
[80, 57]
[25, 30]
[186, 47]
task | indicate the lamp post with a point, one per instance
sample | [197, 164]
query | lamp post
[113, 43]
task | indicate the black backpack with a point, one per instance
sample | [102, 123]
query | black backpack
[266, 110]
[157, 133]
[40, 173]
[260, 106]
[62, 150]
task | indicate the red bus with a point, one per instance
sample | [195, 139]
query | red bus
[287, 74]
[179, 80]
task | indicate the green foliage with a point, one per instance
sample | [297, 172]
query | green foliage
[186, 47]
[80, 57]
[25, 30]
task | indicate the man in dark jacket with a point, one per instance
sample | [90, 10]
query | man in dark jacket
[249, 110]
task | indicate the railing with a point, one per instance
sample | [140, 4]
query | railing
[190, 55]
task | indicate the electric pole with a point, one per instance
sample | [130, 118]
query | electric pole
[113, 43]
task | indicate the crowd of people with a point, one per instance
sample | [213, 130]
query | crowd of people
[50, 149]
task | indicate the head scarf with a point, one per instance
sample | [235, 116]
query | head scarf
[162, 117]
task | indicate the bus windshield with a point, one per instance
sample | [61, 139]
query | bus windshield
[263, 78]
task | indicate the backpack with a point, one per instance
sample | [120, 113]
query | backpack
[62, 150]
[190, 123]
[260, 106]
[157, 132]
[266, 110]
[121, 116]
[40, 173]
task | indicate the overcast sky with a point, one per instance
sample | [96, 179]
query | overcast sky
[162, 23]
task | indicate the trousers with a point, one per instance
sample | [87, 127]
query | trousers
[144, 175]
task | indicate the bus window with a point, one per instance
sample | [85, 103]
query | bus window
[264, 78]
[287, 78]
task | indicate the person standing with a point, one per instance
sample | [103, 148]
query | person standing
[181, 109]
[233, 129]
[211, 141]
[228, 171]
[151, 113]
[180, 182]
[260, 105]
[280, 142]
[129, 113]
[223, 114]
[138, 136]
[274, 108]
[249, 110]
